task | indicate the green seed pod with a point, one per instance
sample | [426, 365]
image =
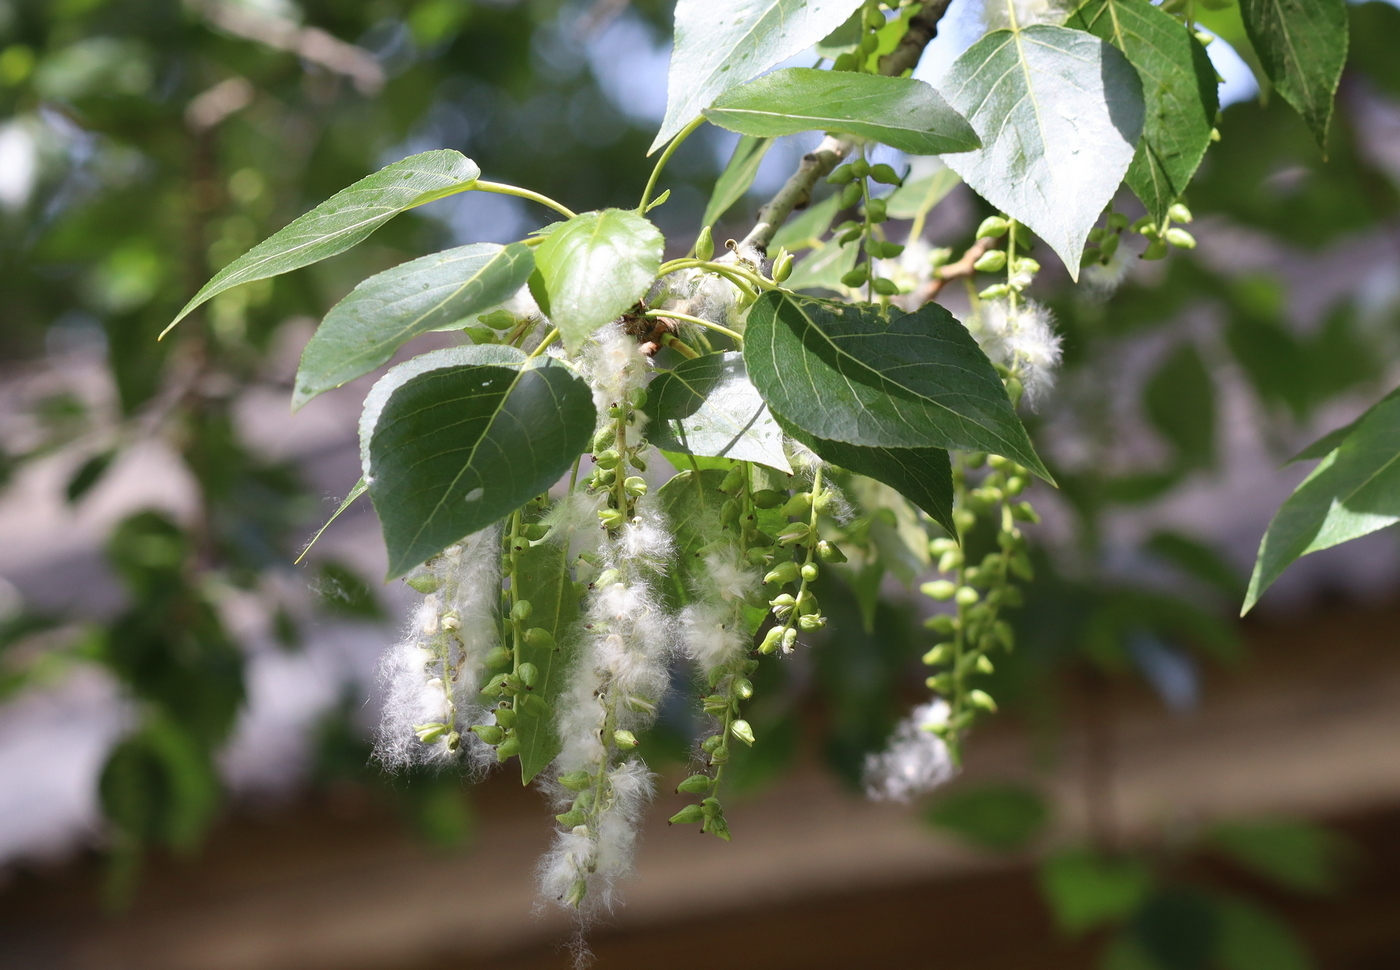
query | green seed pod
[576, 893]
[891, 250]
[505, 717]
[635, 485]
[454, 741]
[875, 210]
[810, 571]
[799, 505]
[782, 266]
[992, 227]
[981, 699]
[830, 552]
[743, 688]
[734, 481]
[714, 704]
[529, 674]
[806, 602]
[741, 730]
[538, 636]
[885, 287]
[939, 589]
[784, 572]
[705, 244]
[757, 557]
[796, 533]
[611, 518]
[851, 194]
[845, 62]
[966, 595]
[1025, 512]
[607, 459]
[1117, 221]
[687, 815]
[638, 397]
[508, 748]
[521, 611]
[696, 785]
[495, 687]
[843, 175]
[1180, 238]
[811, 622]
[625, 740]
[498, 658]
[489, 733]
[873, 19]
[768, 498]
[710, 743]
[771, 640]
[720, 755]
[424, 583]
[860, 167]
[944, 623]
[938, 547]
[993, 292]
[533, 704]
[850, 236]
[1179, 213]
[1110, 246]
[856, 277]
[789, 640]
[428, 733]
[717, 827]
[885, 175]
[940, 654]
[984, 665]
[950, 560]
[636, 460]
[571, 819]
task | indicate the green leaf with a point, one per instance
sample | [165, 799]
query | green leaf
[880, 379]
[542, 571]
[844, 39]
[922, 475]
[923, 189]
[1085, 890]
[806, 231]
[1333, 439]
[723, 43]
[356, 491]
[594, 267]
[1295, 855]
[708, 407]
[1059, 113]
[1180, 401]
[1003, 818]
[455, 440]
[900, 112]
[1303, 46]
[1178, 86]
[733, 183]
[1352, 492]
[346, 218]
[1251, 938]
[363, 330]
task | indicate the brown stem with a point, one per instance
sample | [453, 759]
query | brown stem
[796, 192]
[962, 269]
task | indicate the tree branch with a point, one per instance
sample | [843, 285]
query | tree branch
[948, 272]
[796, 192]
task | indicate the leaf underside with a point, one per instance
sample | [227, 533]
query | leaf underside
[707, 407]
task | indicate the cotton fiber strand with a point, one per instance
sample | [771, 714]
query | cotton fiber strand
[1022, 339]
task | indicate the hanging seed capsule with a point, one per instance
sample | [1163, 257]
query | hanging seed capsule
[424, 583]
[508, 748]
[687, 815]
[860, 167]
[1179, 213]
[939, 589]
[784, 572]
[498, 657]
[993, 292]
[611, 518]
[768, 498]
[1180, 238]
[734, 481]
[625, 740]
[743, 687]
[885, 287]
[810, 622]
[771, 640]
[984, 665]
[576, 780]
[798, 506]
[505, 717]
[992, 227]
[635, 485]
[636, 460]
[428, 733]
[529, 674]
[789, 640]
[489, 733]
[845, 62]
[521, 611]
[607, 459]
[705, 244]
[856, 277]
[538, 636]
[966, 595]
[741, 730]
[944, 623]
[696, 785]
[875, 210]
[885, 175]
[810, 571]
[843, 175]
[940, 654]
[571, 818]
[851, 194]
[981, 699]
[830, 552]
[782, 266]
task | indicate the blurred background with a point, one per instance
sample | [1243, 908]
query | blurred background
[185, 713]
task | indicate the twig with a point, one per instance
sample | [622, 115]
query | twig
[796, 192]
[962, 269]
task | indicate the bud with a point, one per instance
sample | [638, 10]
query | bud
[607, 459]
[635, 485]
[809, 571]
[489, 733]
[782, 266]
[851, 194]
[799, 506]
[1179, 213]
[981, 699]
[529, 674]
[992, 261]
[784, 572]
[625, 740]
[687, 815]
[705, 244]
[940, 654]
[741, 730]
[939, 589]
[830, 552]
[856, 277]
[696, 785]
[1180, 238]
[770, 642]
[425, 583]
[767, 498]
[992, 227]
[884, 174]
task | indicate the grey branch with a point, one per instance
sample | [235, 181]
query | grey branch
[796, 192]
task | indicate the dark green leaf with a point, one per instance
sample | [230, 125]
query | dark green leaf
[880, 379]
[543, 574]
[1178, 86]
[455, 440]
[594, 267]
[922, 475]
[1054, 170]
[708, 407]
[1003, 818]
[1254, 939]
[723, 43]
[900, 112]
[1354, 491]
[736, 178]
[1295, 855]
[1085, 890]
[1303, 46]
[1180, 400]
[345, 219]
[89, 473]
[363, 330]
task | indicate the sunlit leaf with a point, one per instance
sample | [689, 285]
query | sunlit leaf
[736, 178]
[708, 407]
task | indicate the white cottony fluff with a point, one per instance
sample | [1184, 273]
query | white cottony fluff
[433, 674]
[1022, 339]
[711, 628]
[1102, 280]
[614, 366]
[916, 761]
[1000, 13]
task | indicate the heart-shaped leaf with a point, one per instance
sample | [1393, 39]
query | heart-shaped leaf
[900, 112]
[346, 218]
[455, 440]
[1059, 112]
[880, 378]
[1303, 46]
[708, 407]
[723, 43]
[1178, 86]
[594, 267]
[363, 330]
